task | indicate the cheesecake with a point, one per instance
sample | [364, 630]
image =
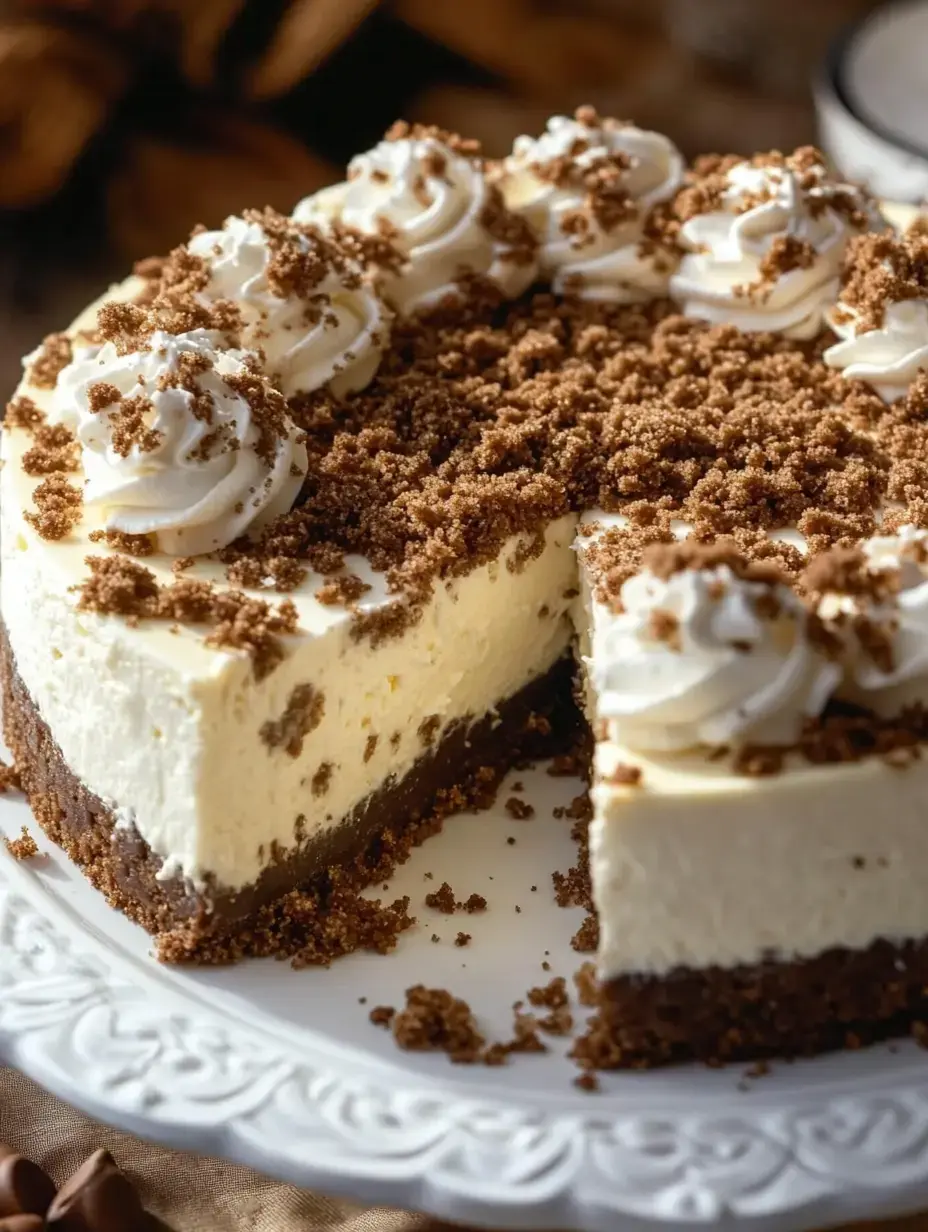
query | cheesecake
[316, 527]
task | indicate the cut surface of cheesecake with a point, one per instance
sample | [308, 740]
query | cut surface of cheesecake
[307, 539]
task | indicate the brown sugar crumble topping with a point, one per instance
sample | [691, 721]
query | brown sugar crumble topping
[119, 586]
[22, 848]
[58, 508]
[880, 270]
[53, 355]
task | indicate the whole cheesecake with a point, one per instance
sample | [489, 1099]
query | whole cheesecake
[314, 528]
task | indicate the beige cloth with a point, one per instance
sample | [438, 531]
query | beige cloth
[193, 1194]
[187, 1192]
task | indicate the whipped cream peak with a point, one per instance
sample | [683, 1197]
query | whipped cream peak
[183, 439]
[428, 194]
[881, 317]
[707, 652]
[585, 186]
[305, 302]
[764, 241]
[876, 602]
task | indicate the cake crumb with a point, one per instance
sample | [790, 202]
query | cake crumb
[519, 810]
[382, 1015]
[442, 899]
[587, 1081]
[586, 984]
[22, 848]
[462, 939]
[435, 1020]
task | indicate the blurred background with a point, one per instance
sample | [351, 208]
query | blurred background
[125, 122]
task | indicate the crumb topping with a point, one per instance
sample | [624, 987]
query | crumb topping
[53, 355]
[880, 270]
[58, 507]
[119, 586]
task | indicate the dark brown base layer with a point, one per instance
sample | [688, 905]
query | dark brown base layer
[304, 890]
[840, 999]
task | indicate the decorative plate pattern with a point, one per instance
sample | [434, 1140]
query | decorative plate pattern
[95, 1020]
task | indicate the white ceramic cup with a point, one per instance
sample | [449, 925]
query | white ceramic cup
[872, 101]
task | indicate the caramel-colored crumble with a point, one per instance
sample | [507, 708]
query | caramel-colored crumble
[435, 1020]
[519, 810]
[54, 354]
[58, 506]
[342, 591]
[382, 1015]
[122, 541]
[22, 848]
[883, 269]
[462, 939]
[54, 450]
[24, 414]
[301, 715]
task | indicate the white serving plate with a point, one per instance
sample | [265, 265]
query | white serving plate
[282, 1070]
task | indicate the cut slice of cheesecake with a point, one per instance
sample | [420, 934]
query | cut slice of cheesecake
[199, 786]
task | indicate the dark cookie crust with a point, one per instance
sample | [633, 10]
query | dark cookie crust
[840, 999]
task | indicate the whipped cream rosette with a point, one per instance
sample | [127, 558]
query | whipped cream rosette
[881, 317]
[316, 317]
[764, 241]
[876, 602]
[711, 653]
[181, 438]
[428, 194]
[586, 186]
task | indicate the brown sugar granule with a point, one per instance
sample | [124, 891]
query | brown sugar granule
[319, 784]
[586, 939]
[586, 984]
[301, 715]
[587, 1081]
[22, 848]
[519, 810]
[462, 939]
[58, 506]
[53, 355]
[382, 1015]
[119, 586]
[435, 1020]
[552, 996]
[342, 591]
[9, 779]
[442, 899]
[54, 450]
[882, 269]
[23, 413]
[122, 541]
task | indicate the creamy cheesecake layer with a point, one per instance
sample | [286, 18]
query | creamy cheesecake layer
[699, 866]
[170, 731]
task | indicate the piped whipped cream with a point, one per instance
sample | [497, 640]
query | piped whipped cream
[882, 615]
[882, 315]
[764, 243]
[317, 319]
[585, 186]
[182, 439]
[706, 655]
[428, 194]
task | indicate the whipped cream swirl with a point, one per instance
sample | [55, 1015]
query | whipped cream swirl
[767, 254]
[894, 610]
[706, 657]
[889, 357]
[183, 439]
[585, 186]
[428, 194]
[304, 302]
